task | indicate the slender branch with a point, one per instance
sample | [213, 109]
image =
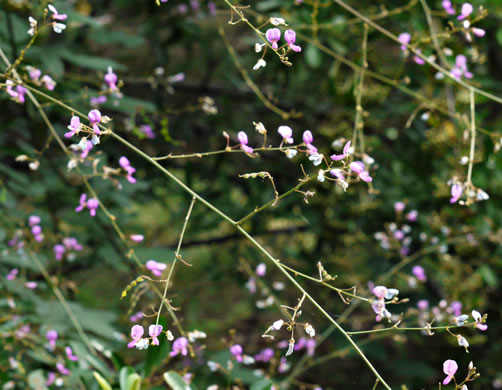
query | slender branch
[473, 138]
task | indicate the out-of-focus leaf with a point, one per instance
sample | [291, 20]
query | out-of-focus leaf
[175, 381]
[103, 383]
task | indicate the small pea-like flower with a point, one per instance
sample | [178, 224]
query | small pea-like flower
[417, 59]
[137, 332]
[265, 355]
[92, 204]
[456, 192]
[460, 68]
[404, 39]
[291, 347]
[155, 267]
[479, 320]
[309, 329]
[34, 220]
[16, 94]
[97, 100]
[180, 346]
[286, 133]
[290, 38]
[412, 215]
[419, 273]
[278, 21]
[12, 274]
[273, 35]
[59, 251]
[320, 176]
[479, 32]
[346, 153]
[51, 378]
[94, 118]
[461, 319]
[290, 153]
[147, 131]
[136, 317]
[359, 169]
[137, 237]
[261, 63]
[316, 159]
[462, 341]
[86, 147]
[62, 369]
[399, 207]
[126, 165]
[34, 73]
[111, 79]
[423, 304]
[33, 26]
[49, 83]
[154, 331]
[448, 7]
[465, 11]
[74, 127]
[450, 367]
[261, 269]
[57, 27]
[52, 336]
[456, 307]
[237, 351]
[243, 140]
[70, 355]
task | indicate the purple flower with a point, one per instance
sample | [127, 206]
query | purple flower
[94, 117]
[308, 138]
[111, 79]
[465, 11]
[265, 355]
[18, 94]
[346, 153]
[450, 367]
[404, 39]
[236, 350]
[50, 84]
[31, 285]
[136, 317]
[154, 331]
[92, 204]
[479, 32]
[417, 59]
[72, 243]
[34, 220]
[12, 274]
[136, 237]
[137, 332]
[62, 369]
[419, 273]
[359, 169]
[447, 7]
[423, 304]
[34, 73]
[155, 268]
[180, 345]
[412, 215]
[74, 127]
[52, 336]
[479, 324]
[398, 235]
[97, 100]
[82, 204]
[460, 68]
[456, 192]
[51, 377]
[456, 307]
[273, 35]
[56, 15]
[126, 166]
[261, 269]
[290, 38]
[399, 207]
[59, 251]
[70, 355]
[243, 139]
[286, 133]
[147, 131]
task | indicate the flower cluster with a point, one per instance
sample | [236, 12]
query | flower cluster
[36, 230]
[139, 342]
[155, 267]
[274, 35]
[126, 166]
[383, 293]
[56, 18]
[69, 245]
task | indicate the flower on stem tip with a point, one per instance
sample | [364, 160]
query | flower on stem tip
[450, 367]
[154, 331]
[111, 79]
[460, 68]
[137, 332]
[33, 26]
[465, 11]
[70, 355]
[448, 7]
[18, 93]
[137, 237]
[92, 204]
[155, 267]
[286, 133]
[52, 336]
[419, 273]
[243, 140]
[456, 192]
[479, 320]
[12, 274]
[273, 35]
[346, 152]
[180, 346]
[404, 39]
[126, 166]
[49, 83]
[359, 169]
[94, 117]
[74, 127]
[237, 350]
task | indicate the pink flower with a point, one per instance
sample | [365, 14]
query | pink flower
[147, 131]
[97, 100]
[34, 73]
[450, 367]
[18, 94]
[265, 355]
[72, 243]
[111, 79]
[286, 133]
[155, 267]
[460, 68]
[236, 350]
[412, 215]
[273, 35]
[126, 166]
[74, 127]
[59, 251]
[398, 235]
[399, 207]
[34, 220]
[456, 307]
[137, 332]
[52, 336]
[31, 285]
[423, 304]
[179, 346]
[56, 15]
[12, 274]
[404, 39]
[94, 117]
[447, 7]
[346, 153]
[136, 237]
[154, 331]
[50, 84]
[261, 269]
[92, 204]
[243, 140]
[359, 169]
[70, 355]
[417, 59]
[290, 38]
[465, 11]
[419, 273]
[88, 148]
[62, 369]
[308, 138]
[456, 192]
[479, 324]
[51, 378]
[479, 32]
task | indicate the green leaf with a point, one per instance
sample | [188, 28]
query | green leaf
[488, 275]
[175, 381]
[103, 383]
[313, 56]
[133, 382]
[91, 62]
